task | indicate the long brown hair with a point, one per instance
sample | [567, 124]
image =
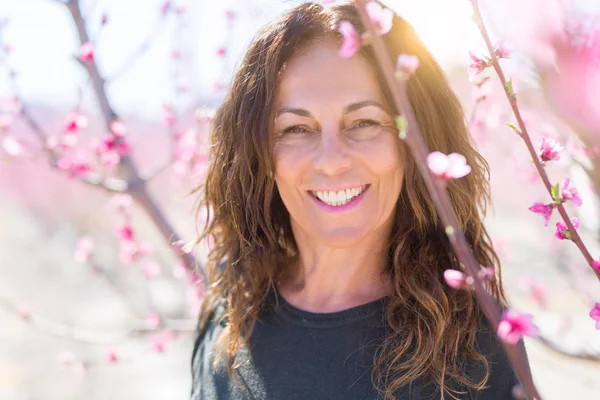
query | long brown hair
[253, 242]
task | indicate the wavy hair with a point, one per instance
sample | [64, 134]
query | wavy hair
[431, 327]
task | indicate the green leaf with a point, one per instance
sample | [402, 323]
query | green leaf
[509, 88]
[401, 124]
[513, 127]
[556, 192]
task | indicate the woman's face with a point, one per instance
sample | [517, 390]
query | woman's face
[338, 164]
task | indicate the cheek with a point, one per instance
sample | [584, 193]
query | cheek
[290, 161]
[385, 157]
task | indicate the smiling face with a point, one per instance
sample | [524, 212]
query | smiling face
[338, 161]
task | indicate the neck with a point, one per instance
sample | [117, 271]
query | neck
[329, 279]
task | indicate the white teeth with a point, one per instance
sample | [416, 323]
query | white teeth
[339, 198]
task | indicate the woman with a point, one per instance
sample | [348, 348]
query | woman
[326, 275]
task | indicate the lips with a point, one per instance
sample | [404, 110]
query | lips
[341, 206]
[338, 197]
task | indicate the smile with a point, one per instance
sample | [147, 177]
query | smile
[338, 198]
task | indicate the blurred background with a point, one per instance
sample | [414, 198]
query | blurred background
[100, 96]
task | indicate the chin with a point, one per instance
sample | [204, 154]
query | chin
[342, 237]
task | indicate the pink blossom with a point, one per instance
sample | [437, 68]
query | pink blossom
[165, 7]
[596, 265]
[533, 28]
[12, 146]
[168, 116]
[24, 312]
[11, 105]
[150, 268]
[549, 149]
[572, 85]
[595, 315]
[110, 159]
[204, 114]
[221, 51]
[158, 343]
[569, 192]
[68, 140]
[74, 122]
[351, 42]
[230, 14]
[536, 290]
[544, 210]
[562, 232]
[86, 53]
[6, 121]
[125, 232]
[514, 326]
[76, 164]
[153, 320]
[122, 202]
[112, 357]
[486, 274]
[84, 248]
[145, 248]
[406, 65]
[381, 17]
[501, 51]
[446, 167]
[118, 128]
[457, 279]
[128, 251]
[477, 66]
[111, 149]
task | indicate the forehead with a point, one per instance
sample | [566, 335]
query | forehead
[318, 73]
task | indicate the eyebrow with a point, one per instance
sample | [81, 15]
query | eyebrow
[348, 109]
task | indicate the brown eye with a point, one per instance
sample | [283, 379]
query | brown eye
[295, 129]
[363, 123]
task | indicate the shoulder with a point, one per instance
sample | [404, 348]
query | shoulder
[204, 335]
[502, 377]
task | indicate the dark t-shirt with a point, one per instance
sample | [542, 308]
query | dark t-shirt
[299, 355]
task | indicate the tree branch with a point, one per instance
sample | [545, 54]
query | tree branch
[441, 199]
[137, 185]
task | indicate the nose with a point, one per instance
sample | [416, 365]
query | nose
[332, 156]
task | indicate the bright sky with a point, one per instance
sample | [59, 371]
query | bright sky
[44, 42]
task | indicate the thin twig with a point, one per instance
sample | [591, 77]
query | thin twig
[137, 185]
[60, 329]
[512, 99]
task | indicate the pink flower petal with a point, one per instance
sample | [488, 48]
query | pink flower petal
[438, 163]
[12, 146]
[406, 65]
[84, 248]
[544, 210]
[112, 357]
[457, 279]
[351, 42]
[514, 326]
[86, 53]
[381, 17]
